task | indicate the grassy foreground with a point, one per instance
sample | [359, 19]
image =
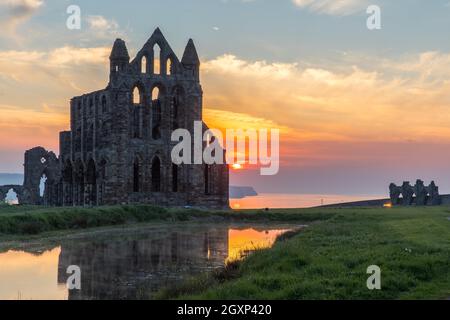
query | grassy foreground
[329, 260]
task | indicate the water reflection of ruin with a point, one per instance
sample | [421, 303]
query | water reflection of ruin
[122, 268]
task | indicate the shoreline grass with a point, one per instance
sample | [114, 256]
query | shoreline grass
[26, 220]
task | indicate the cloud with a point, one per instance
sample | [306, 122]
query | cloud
[102, 27]
[53, 76]
[230, 64]
[394, 100]
[16, 12]
[36, 88]
[373, 101]
[333, 7]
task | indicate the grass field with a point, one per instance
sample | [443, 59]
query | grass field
[328, 260]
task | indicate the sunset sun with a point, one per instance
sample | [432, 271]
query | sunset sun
[237, 166]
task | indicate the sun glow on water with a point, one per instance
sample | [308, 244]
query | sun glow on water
[243, 242]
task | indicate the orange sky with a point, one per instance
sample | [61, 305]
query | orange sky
[382, 115]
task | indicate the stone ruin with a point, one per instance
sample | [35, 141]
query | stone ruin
[118, 150]
[419, 195]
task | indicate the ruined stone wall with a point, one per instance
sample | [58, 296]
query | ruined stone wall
[38, 163]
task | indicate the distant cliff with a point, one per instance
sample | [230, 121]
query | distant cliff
[242, 192]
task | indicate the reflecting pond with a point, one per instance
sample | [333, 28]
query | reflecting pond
[127, 263]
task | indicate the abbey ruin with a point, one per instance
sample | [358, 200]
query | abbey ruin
[118, 150]
[419, 194]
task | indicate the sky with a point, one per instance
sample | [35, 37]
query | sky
[357, 108]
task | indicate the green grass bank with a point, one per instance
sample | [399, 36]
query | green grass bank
[329, 260]
[24, 220]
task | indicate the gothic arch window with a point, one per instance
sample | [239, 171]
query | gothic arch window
[157, 113]
[137, 96]
[138, 102]
[11, 197]
[144, 64]
[156, 174]
[42, 184]
[169, 66]
[155, 94]
[156, 59]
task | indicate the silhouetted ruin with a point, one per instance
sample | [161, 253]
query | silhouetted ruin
[420, 195]
[118, 150]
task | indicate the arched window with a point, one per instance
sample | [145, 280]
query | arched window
[11, 197]
[138, 101]
[155, 93]
[174, 178]
[157, 114]
[169, 67]
[144, 65]
[156, 59]
[156, 175]
[137, 96]
[136, 176]
[42, 185]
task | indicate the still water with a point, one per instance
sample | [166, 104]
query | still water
[127, 263]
